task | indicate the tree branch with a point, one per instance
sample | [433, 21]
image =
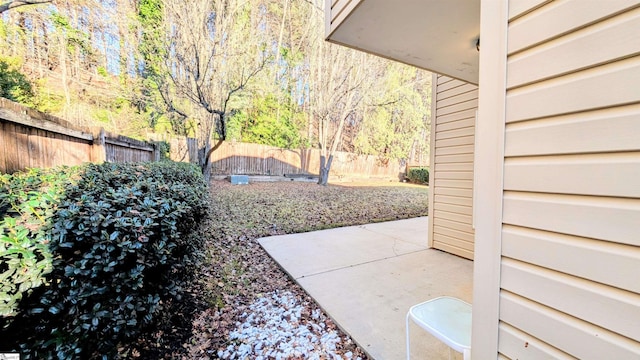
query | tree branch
[314, 5]
[214, 148]
[14, 4]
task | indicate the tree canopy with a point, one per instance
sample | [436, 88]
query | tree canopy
[251, 70]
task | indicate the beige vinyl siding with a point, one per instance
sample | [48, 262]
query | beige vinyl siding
[570, 286]
[340, 9]
[452, 166]
[488, 180]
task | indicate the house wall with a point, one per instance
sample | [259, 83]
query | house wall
[452, 135]
[336, 11]
[570, 238]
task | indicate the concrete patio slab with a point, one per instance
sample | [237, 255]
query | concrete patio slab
[347, 246]
[367, 277]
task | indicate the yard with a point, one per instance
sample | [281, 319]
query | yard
[238, 278]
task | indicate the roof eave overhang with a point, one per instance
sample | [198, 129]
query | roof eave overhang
[436, 35]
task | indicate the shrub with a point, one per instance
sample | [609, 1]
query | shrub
[27, 202]
[120, 253]
[164, 148]
[418, 175]
[14, 85]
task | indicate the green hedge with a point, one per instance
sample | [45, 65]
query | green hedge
[418, 175]
[27, 203]
[121, 250]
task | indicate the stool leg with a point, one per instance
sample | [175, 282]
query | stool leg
[408, 342]
[466, 354]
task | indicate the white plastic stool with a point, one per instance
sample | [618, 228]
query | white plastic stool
[448, 319]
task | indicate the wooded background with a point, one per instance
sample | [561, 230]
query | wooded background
[254, 71]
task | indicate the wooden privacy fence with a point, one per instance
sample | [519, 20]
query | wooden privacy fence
[121, 149]
[31, 139]
[254, 159]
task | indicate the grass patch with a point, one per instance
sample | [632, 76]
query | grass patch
[265, 209]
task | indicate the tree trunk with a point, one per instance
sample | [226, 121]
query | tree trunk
[204, 163]
[204, 159]
[206, 172]
[325, 167]
[63, 67]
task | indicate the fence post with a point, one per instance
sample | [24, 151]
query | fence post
[98, 151]
[156, 151]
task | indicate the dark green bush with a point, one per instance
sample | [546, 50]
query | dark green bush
[418, 175]
[164, 148]
[27, 203]
[121, 252]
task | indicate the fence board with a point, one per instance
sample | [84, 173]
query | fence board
[57, 149]
[48, 147]
[2, 145]
[10, 140]
[34, 150]
[22, 143]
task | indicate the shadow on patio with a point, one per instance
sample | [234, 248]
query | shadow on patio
[367, 277]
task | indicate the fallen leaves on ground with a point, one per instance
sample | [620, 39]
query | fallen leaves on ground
[238, 274]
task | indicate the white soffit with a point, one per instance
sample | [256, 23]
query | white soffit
[436, 35]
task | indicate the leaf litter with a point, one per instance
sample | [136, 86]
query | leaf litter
[244, 306]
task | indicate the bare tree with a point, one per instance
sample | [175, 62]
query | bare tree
[339, 78]
[8, 5]
[210, 62]
[396, 115]
[337, 99]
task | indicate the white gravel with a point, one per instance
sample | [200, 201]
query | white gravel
[274, 328]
